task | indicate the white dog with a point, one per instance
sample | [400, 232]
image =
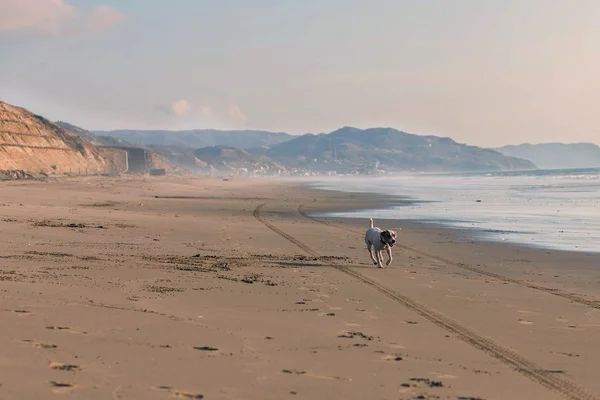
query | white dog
[379, 240]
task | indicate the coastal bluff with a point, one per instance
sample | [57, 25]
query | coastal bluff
[34, 145]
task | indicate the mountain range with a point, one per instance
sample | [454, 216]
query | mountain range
[62, 146]
[346, 150]
[199, 138]
[395, 150]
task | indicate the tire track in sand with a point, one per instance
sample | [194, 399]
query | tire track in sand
[509, 357]
[555, 292]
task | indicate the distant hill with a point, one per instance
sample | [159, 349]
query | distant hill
[348, 148]
[98, 140]
[557, 155]
[232, 158]
[242, 139]
[178, 155]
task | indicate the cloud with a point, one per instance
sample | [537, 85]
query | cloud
[206, 111]
[236, 113]
[55, 18]
[181, 107]
[104, 17]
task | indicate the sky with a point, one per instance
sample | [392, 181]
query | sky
[484, 72]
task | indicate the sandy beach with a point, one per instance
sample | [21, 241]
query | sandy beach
[176, 287]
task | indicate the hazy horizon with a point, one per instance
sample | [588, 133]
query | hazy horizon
[484, 73]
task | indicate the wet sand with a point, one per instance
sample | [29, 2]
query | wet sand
[154, 288]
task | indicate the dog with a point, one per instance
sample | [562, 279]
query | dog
[378, 240]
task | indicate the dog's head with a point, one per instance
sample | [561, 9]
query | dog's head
[389, 237]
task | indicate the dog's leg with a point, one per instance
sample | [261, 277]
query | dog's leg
[389, 253]
[378, 255]
[370, 250]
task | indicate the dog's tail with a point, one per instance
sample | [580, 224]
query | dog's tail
[371, 219]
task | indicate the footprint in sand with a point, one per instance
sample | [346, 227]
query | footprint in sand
[61, 387]
[593, 315]
[392, 357]
[396, 346]
[311, 375]
[330, 314]
[64, 367]
[426, 285]
[206, 348]
[65, 329]
[527, 312]
[43, 346]
[440, 375]
[459, 297]
[354, 300]
[188, 395]
[180, 394]
[23, 312]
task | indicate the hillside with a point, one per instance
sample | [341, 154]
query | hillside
[226, 158]
[98, 140]
[139, 159]
[30, 143]
[243, 139]
[557, 155]
[390, 149]
[179, 155]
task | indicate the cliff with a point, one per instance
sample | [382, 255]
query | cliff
[32, 144]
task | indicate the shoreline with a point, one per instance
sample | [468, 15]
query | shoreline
[382, 202]
[154, 287]
[364, 201]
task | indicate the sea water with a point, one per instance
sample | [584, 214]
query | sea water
[557, 209]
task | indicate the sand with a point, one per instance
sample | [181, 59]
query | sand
[157, 288]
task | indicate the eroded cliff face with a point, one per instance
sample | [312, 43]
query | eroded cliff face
[35, 145]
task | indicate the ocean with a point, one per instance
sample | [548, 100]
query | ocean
[553, 209]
